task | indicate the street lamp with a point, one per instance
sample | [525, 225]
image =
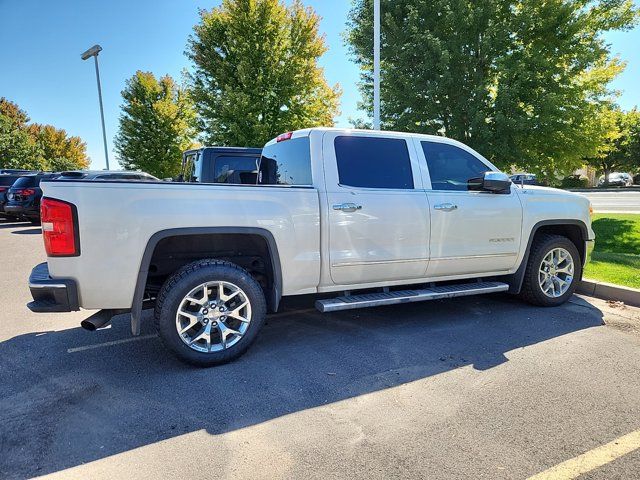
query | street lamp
[376, 64]
[93, 52]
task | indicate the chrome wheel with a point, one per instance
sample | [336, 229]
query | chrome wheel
[556, 272]
[213, 316]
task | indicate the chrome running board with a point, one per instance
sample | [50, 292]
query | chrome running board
[366, 300]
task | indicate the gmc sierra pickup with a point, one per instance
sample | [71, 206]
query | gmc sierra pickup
[380, 218]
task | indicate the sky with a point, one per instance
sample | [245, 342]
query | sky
[41, 69]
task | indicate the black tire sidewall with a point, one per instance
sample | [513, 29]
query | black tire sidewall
[177, 287]
[542, 250]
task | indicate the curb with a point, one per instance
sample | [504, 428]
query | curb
[634, 188]
[609, 291]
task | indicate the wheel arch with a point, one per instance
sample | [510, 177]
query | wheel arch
[574, 230]
[273, 296]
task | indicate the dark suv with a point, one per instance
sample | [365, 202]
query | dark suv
[6, 180]
[23, 198]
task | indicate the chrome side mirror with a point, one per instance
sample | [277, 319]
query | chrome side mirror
[496, 182]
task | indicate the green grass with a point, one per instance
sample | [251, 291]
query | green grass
[616, 257]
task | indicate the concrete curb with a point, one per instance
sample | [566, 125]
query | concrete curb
[609, 291]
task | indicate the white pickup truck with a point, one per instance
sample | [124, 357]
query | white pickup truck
[379, 218]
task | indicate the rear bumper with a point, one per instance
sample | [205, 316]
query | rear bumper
[49, 294]
[22, 210]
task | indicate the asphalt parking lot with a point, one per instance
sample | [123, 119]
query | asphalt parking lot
[481, 387]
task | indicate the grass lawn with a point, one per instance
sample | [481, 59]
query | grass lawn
[616, 257]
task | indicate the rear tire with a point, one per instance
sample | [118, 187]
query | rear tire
[553, 269]
[210, 312]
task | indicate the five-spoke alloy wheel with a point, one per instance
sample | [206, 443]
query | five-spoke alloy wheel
[209, 312]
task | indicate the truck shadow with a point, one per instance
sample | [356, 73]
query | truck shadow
[59, 409]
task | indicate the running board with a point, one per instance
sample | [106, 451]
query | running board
[407, 296]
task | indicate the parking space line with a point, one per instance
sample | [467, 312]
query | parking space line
[592, 459]
[114, 342]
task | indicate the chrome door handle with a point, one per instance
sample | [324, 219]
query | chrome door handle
[446, 207]
[347, 207]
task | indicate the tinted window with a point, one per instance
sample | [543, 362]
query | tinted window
[286, 163]
[372, 162]
[24, 182]
[7, 180]
[238, 170]
[451, 167]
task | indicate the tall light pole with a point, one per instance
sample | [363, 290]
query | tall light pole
[376, 64]
[93, 52]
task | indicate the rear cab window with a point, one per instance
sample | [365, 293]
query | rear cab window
[287, 162]
[242, 170]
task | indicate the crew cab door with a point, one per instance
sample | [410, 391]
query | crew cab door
[472, 232]
[378, 215]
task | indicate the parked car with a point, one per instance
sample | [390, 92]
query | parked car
[636, 179]
[107, 175]
[6, 180]
[377, 218]
[524, 179]
[616, 179]
[231, 165]
[24, 195]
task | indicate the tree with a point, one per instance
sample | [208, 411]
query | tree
[256, 72]
[60, 151]
[618, 150]
[156, 125]
[34, 146]
[18, 148]
[518, 80]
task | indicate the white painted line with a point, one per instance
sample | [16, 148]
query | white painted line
[592, 459]
[108, 344]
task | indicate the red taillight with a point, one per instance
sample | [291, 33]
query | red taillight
[26, 191]
[3, 189]
[284, 136]
[59, 228]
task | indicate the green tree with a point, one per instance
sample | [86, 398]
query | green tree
[518, 80]
[619, 132]
[256, 72]
[18, 148]
[61, 152]
[156, 125]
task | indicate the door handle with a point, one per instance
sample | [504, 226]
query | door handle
[347, 207]
[445, 207]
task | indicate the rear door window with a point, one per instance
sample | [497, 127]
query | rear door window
[373, 162]
[451, 167]
[286, 163]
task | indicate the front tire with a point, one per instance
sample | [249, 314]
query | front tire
[553, 269]
[210, 312]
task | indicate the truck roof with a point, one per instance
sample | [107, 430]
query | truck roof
[308, 131]
[227, 150]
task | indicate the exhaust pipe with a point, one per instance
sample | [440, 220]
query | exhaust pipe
[97, 320]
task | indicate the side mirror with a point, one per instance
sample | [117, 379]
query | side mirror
[494, 182]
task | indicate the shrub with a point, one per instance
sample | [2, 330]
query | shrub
[574, 181]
